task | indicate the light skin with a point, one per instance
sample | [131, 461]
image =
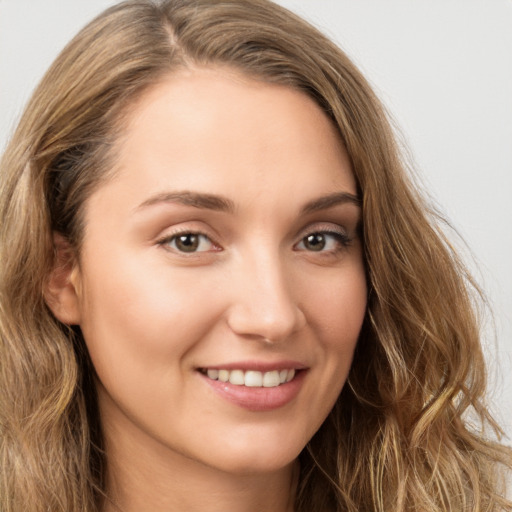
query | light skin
[228, 237]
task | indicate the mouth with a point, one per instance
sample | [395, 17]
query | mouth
[256, 386]
[251, 378]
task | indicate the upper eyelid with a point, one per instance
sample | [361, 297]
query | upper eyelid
[165, 241]
[172, 236]
[315, 227]
[341, 235]
[172, 232]
[323, 227]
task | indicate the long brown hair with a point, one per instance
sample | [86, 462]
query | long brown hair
[399, 437]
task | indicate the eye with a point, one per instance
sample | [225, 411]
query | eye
[323, 241]
[188, 242]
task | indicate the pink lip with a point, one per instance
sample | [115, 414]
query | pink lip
[257, 399]
[259, 366]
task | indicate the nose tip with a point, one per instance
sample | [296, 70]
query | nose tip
[269, 326]
[265, 308]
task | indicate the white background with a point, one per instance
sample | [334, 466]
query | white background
[443, 68]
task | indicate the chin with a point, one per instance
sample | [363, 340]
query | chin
[249, 466]
[256, 457]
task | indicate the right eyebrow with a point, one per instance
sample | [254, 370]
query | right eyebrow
[195, 199]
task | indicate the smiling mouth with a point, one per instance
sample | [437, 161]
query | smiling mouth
[251, 378]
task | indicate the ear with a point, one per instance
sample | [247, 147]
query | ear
[62, 288]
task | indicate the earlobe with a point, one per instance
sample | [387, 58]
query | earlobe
[62, 287]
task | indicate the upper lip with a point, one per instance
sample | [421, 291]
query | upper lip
[261, 366]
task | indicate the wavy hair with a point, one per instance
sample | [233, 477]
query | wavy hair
[408, 430]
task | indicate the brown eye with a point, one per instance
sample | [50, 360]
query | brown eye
[323, 241]
[314, 242]
[188, 243]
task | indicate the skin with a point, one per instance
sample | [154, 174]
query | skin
[254, 290]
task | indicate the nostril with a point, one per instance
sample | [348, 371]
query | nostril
[268, 329]
[263, 304]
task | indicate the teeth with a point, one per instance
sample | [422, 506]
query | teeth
[271, 379]
[252, 378]
[223, 375]
[236, 377]
[213, 374]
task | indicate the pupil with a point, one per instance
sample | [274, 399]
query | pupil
[187, 243]
[315, 242]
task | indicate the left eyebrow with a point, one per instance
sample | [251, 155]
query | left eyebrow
[330, 200]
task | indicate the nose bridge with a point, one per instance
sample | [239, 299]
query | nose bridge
[263, 302]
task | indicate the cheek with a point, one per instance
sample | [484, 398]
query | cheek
[140, 329]
[140, 320]
[337, 312]
[338, 305]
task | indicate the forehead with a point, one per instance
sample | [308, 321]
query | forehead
[218, 131]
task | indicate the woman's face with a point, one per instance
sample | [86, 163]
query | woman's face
[225, 247]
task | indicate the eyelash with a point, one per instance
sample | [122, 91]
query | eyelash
[167, 240]
[340, 237]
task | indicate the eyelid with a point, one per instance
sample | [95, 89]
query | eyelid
[173, 234]
[324, 227]
[343, 236]
[328, 228]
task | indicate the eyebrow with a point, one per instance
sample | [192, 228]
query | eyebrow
[222, 204]
[329, 201]
[195, 199]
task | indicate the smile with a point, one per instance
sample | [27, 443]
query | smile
[251, 378]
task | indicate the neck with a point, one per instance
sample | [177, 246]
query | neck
[141, 491]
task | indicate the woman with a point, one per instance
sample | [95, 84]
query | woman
[219, 289]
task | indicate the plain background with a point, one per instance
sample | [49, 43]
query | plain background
[444, 70]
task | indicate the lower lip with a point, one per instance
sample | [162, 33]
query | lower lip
[258, 399]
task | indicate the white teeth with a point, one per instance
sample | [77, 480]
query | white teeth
[213, 374]
[223, 375]
[236, 377]
[252, 378]
[271, 379]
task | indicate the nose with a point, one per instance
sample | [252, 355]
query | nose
[263, 305]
